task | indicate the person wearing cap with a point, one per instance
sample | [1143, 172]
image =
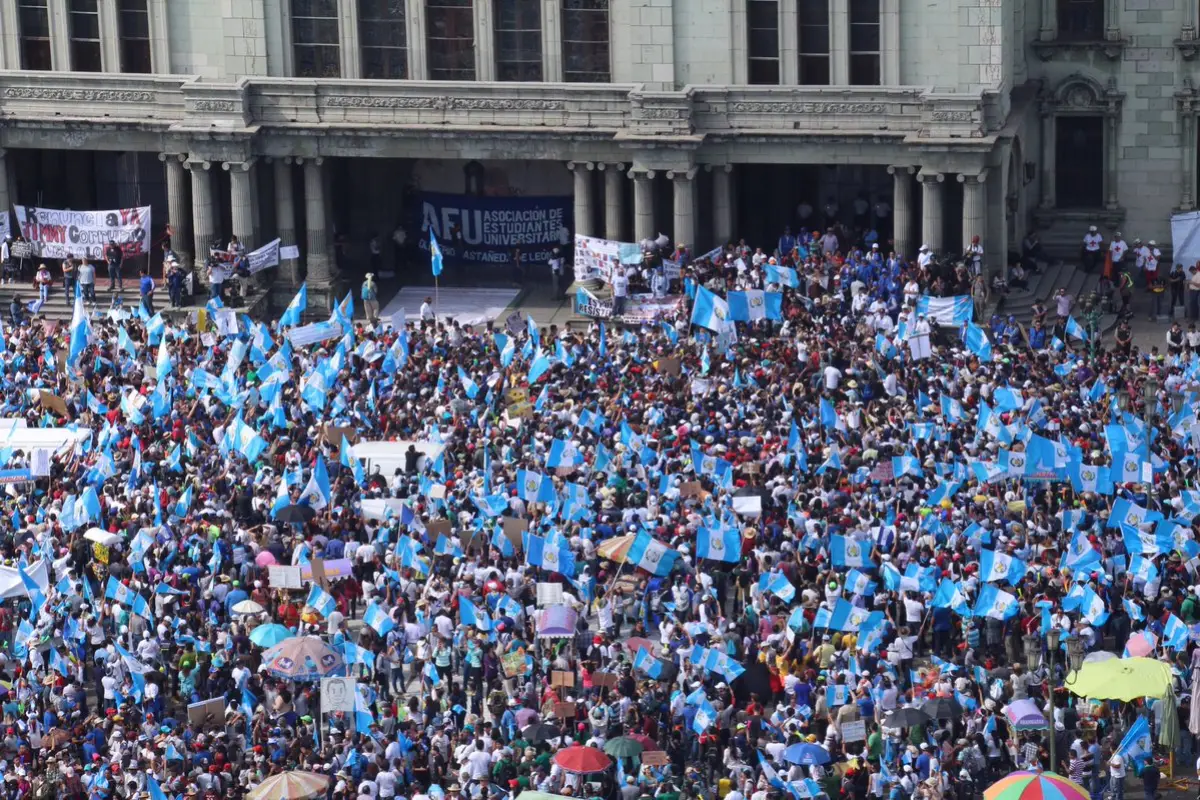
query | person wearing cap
[1092, 242]
[369, 292]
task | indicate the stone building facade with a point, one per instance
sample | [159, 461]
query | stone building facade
[702, 118]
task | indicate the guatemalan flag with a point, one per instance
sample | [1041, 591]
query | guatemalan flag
[651, 555]
[719, 544]
[995, 566]
[995, 603]
[754, 305]
[846, 551]
[709, 310]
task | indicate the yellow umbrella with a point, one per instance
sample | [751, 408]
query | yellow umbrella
[617, 548]
[1122, 679]
[293, 785]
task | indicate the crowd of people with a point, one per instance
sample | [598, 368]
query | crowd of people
[790, 556]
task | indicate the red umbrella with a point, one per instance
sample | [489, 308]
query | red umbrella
[582, 759]
[648, 744]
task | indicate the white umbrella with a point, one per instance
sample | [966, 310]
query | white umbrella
[248, 607]
[1099, 655]
[101, 536]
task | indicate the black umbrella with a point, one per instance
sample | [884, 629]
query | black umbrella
[756, 680]
[540, 732]
[906, 717]
[942, 708]
[295, 515]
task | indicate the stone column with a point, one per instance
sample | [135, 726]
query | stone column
[1188, 32]
[1049, 28]
[584, 223]
[203, 223]
[614, 201]
[902, 211]
[179, 208]
[1110, 161]
[643, 204]
[722, 203]
[320, 273]
[1188, 120]
[684, 229]
[5, 198]
[1047, 166]
[285, 215]
[931, 199]
[974, 218]
[241, 201]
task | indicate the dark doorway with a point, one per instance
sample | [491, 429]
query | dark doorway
[1079, 161]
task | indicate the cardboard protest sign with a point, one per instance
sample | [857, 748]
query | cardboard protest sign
[513, 528]
[53, 402]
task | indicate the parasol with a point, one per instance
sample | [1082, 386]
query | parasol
[540, 732]
[1035, 786]
[1141, 644]
[942, 708]
[295, 515]
[56, 738]
[294, 785]
[270, 634]
[635, 643]
[247, 607]
[303, 659]
[582, 760]
[1120, 679]
[616, 549]
[906, 717]
[623, 747]
[1024, 715]
[806, 755]
[101, 536]
[557, 622]
[648, 744]
[265, 558]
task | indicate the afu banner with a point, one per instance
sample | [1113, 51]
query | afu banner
[59, 234]
[486, 230]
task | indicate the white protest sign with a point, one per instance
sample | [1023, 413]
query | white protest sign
[283, 576]
[748, 506]
[265, 256]
[56, 233]
[854, 731]
[337, 694]
[226, 319]
[313, 333]
[920, 348]
[549, 594]
[289, 251]
[39, 462]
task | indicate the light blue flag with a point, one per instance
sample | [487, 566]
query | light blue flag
[563, 454]
[994, 566]
[754, 305]
[719, 544]
[995, 603]
[538, 367]
[977, 342]
[647, 663]
[784, 276]
[468, 384]
[1138, 745]
[184, 505]
[859, 583]
[651, 555]
[295, 309]
[777, 584]
[709, 310]
[1175, 633]
[842, 617]
[1073, 328]
[435, 254]
[847, 551]
[321, 601]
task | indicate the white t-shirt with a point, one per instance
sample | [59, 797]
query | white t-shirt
[1091, 242]
[1118, 248]
[833, 377]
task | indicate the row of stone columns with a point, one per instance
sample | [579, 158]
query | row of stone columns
[193, 216]
[684, 202]
[974, 216]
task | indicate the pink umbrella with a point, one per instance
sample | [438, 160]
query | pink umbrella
[265, 558]
[1141, 644]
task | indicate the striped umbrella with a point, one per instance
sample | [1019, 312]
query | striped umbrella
[294, 785]
[1035, 786]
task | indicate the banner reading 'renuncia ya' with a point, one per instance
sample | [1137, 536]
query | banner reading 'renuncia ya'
[487, 230]
[56, 233]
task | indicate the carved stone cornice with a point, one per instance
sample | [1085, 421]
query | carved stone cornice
[78, 95]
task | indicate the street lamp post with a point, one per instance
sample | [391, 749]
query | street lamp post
[1177, 401]
[1053, 637]
[1150, 398]
[1123, 399]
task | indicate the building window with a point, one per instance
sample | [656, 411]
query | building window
[34, 19]
[134, 20]
[450, 41]
[84, 20]
[382, 29]
[518, 28]
[585, 41]
[316, 39]
[864, 43]
[813, 18]
[1081, 20]
[763, 23]
[1079, 161]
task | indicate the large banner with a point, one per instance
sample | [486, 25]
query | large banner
[58, 234]
[485, 230]
[595, 258]
[263, 257]
[639, 308]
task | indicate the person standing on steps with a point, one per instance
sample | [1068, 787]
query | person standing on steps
[114, 257]
[1091, 249]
